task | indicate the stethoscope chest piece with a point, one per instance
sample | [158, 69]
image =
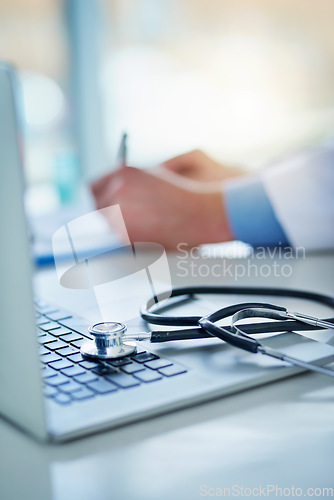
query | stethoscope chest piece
[107, 343]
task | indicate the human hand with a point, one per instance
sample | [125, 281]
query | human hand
[163, 211]
[197, 166]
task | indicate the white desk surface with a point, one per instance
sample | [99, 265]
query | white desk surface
[279, 435]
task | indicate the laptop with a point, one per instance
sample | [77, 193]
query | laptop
[48, 389]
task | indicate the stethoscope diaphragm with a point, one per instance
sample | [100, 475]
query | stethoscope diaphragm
[108, 341]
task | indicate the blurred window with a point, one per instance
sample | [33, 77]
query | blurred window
[244, 80]
[33, 38]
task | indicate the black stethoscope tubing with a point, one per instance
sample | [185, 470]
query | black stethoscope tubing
[150, 312]
[108, 340]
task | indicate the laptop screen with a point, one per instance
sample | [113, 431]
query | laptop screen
[20, 388]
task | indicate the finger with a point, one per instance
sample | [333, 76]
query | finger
[183, 162]
[127, 184]
[99, 184]
[104, 200]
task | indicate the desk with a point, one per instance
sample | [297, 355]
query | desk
[280, 434]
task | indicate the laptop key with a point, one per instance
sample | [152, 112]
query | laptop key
[155, 364]
[170, 371]
[75, 358]
[102, 386]
[68, 351]
[132, 368]
[57, 379]
[43, 350]
[144, 357]
[42, 320]
[51, 325]
[119, 362]
[49, 357]
[60, 331]
[47, 371]
[70, 387]
[61, 364]
[53, 346]
[85, 378]
[103, 370]
[78, 343]
[44, 308]
[71, 336]
[63, 399]
[50, 391]
[46, 339]
[88, 364]
[84, 393]
[122, 380]
[73, 371]
[77, 324]
[58, 315]
[148, 376]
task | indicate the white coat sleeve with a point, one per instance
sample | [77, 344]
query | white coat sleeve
[301, 192]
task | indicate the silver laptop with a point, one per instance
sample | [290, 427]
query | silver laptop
[46, 387]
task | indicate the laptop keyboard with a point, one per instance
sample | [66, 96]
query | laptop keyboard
[68, 377]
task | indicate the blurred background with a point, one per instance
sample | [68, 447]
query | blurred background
[245, 80]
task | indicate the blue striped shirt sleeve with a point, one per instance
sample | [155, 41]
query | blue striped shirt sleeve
[250, 213]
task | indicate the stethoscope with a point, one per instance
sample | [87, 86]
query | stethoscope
[110, 340]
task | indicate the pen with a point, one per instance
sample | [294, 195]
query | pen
[122, 152]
